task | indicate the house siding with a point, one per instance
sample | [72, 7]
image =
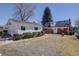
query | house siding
[15, 27]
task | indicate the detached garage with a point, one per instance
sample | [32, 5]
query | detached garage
[62, 26]
[59, 26]
[48, 30]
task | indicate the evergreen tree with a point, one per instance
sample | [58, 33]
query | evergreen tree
[47, 17]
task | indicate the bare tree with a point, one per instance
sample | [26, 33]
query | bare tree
[77, 23]
[24, 11]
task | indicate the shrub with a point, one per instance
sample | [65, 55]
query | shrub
[17, 37]
[31, 35]
[71, 33]
[42, 33]
[35, 34]
[0, 33]
[39, 34]
[27, 35]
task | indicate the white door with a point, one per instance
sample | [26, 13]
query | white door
[55, 30]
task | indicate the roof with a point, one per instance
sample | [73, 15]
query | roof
[23, 22]
[64, 23]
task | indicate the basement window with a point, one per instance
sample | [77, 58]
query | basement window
[22, 28]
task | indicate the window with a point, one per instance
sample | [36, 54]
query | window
[36, 28]
[22, 28]
[5, 31]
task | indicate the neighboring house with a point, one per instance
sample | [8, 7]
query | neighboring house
[57, 26]
[19, 27]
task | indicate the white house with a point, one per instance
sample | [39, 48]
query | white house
[19, 27]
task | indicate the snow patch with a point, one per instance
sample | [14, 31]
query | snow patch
[8, 41]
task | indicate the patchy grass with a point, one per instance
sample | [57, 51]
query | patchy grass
[47, 45]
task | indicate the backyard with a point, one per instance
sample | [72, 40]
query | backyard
[46, 45]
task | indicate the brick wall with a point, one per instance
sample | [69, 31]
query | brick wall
[64, 30]
[48, 31]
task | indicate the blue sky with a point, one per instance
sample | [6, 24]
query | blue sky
[58, 11]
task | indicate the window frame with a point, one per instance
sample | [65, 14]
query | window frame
[23, 28]
[35, 28]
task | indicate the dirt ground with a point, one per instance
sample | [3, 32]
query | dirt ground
[47, 45]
